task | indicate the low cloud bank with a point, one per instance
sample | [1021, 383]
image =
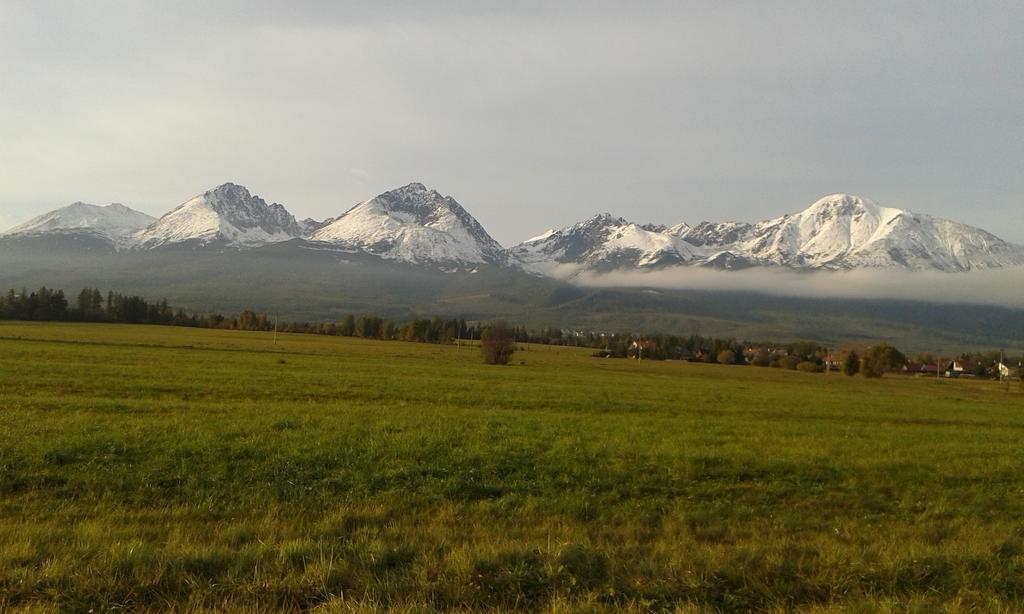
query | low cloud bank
[1001, 287]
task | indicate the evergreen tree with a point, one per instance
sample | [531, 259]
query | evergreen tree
[85, 302]
[851, 364]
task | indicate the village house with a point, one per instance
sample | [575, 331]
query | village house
[954, 368]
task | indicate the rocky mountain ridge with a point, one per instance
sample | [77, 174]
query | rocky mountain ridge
[420, 226]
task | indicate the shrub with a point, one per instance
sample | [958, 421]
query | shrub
[809, 367]
[727, 357]
[497, 343]
[789, 362]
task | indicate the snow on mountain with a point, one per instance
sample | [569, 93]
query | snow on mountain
[114, 223]
[836, 232]
[417, 225]
[679, 229]
[843, 231]
[601, 243]
[309, 225]
[227, 214]
[711, 233]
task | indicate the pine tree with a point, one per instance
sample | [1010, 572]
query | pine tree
[851, 365]
[85, 302]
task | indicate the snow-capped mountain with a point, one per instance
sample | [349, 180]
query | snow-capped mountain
[112, 223]
[844, 232]
[227, 215]
[836, 232]
[417, 225]
[414, 224]
[601, 243]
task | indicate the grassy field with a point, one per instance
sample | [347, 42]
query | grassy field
[146, 468]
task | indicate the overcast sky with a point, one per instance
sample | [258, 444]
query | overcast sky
[533, 115]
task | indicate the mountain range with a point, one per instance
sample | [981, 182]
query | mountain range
[421, 227]
[413, 252]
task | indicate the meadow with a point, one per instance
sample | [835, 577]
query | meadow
[170, 469]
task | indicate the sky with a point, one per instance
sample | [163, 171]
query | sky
[531, 114]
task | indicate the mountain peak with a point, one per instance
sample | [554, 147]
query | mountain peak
[841, 197]
[414, 195]
[843, 204]
[602, 220]
[229, 190]
[228, 214]
[602, 242]
[843, 231]
[414, 224]
[114, 223]
[679, 229]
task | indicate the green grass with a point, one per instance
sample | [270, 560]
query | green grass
[146, 468]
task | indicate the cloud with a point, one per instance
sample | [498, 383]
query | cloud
[999, 287]
[531, 114]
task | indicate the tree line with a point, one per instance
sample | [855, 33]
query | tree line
[91, 305]
[94, 305]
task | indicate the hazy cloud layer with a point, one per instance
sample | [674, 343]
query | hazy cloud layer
[986, 287]
[532, 114]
